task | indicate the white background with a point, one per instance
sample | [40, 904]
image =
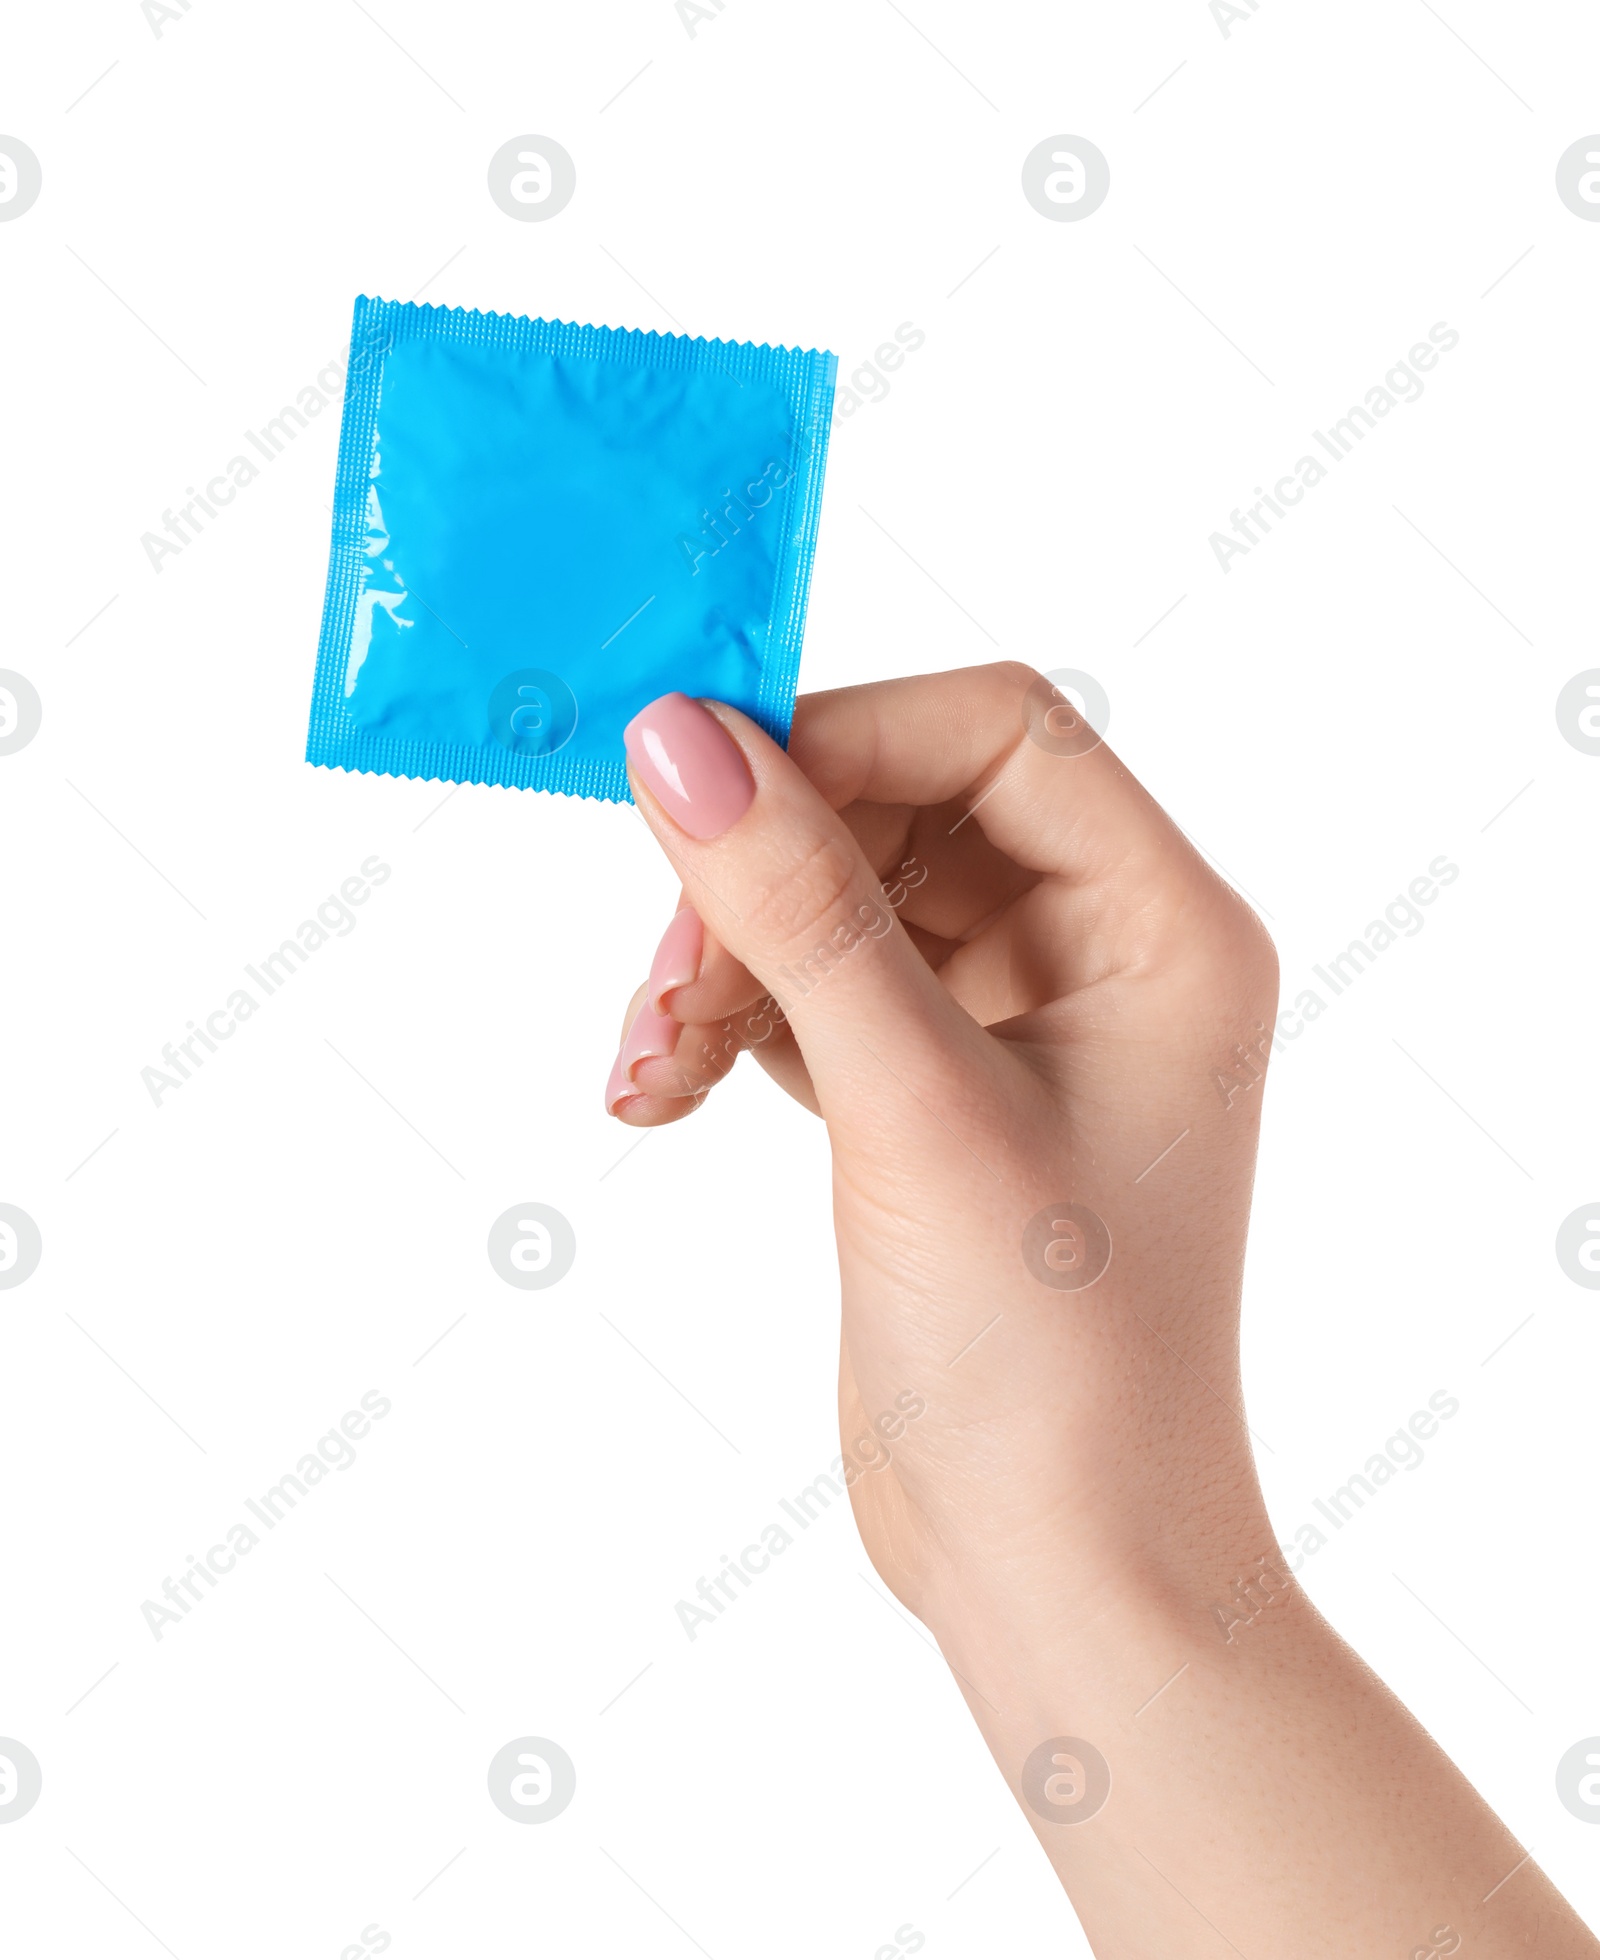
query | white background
[227, 1274]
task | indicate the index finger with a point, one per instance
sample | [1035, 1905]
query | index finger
[1043, 786]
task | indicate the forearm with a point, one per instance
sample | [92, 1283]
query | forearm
[1264, 1788]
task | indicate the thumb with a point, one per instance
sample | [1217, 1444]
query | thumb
[783, 882]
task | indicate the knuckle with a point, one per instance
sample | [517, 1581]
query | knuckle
[1236, 954]
[805, 905]
[1251, 946]
[1012, 677]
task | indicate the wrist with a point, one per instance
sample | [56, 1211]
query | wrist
[1169, 1546]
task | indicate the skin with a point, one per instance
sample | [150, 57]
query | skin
[1064, 990]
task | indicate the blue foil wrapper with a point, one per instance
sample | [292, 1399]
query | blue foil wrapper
[538, 528]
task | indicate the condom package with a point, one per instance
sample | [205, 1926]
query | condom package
[538, 528]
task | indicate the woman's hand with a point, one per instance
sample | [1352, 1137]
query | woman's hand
[951, 920]
[1036, 1025]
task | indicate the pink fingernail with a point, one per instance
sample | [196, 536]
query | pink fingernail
[677, 960]
[690, 764]
[618, 1088]
[652, 1037]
